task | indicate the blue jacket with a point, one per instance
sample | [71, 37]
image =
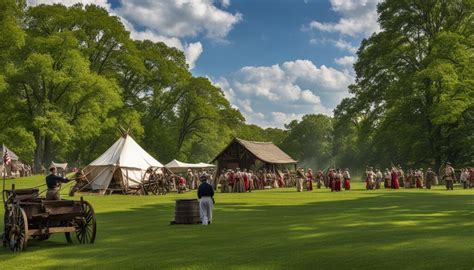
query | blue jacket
[205, 190]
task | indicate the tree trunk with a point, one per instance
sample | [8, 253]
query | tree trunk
[38, 152]
[47, 151]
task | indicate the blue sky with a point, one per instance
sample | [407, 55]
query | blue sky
[275, 60]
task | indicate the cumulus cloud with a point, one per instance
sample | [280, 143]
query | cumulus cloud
[346, 61]
[275, 95]
[183, 18]
[168, 21]
[358, 18]
[345, 45]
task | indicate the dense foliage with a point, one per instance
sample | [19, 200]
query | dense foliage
[70, 77]
[414, 92]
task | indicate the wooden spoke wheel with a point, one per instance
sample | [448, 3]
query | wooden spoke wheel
[154, 188]
[86, 225]
[17, 229]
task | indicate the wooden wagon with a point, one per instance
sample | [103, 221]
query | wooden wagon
[158, 181]
[27, 215]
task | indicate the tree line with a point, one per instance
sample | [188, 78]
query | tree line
[70, 76]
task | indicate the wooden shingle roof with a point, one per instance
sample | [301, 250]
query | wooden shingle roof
[265, 151]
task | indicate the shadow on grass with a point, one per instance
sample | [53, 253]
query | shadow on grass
[389, 231]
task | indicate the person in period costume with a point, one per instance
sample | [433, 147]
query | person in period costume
[319, 179]
[287, 177]
[268, 179]
[332, 179]
[401, 176]
[419, 178]
[230, 181]
[370, 179]
[464, 178]
[53, 182]
[281, 179]
[387, 178]
[337, 179]
[347, 179]
[394, 183]
[309, 180]
[275, 180]
[378, 178]
[181, 184]
[206, 200]
[449, 176]
[189, 179]
[413, 178]
[237, 181]
[409, 176]
[261, 180]
[300, 179]
[252, 178]
[245, 176]
[430, 178]
[223, 181]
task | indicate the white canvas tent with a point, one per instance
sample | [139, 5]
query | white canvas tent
[61, 167]
[177, 166]
[122, 166]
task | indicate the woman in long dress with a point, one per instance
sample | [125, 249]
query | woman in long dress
[395, 184]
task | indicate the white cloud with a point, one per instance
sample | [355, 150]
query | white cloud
[225, 3]
[192, 51]
[346, 61]
[358, 18]
[275, 95]
[182, 18]
[345, 45]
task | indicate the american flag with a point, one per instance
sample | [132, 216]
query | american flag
[6, 158]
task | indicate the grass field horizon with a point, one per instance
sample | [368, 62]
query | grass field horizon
[270, 229]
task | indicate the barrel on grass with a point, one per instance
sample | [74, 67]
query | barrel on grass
[187, 212]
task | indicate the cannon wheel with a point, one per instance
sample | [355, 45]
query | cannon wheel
[18, 231]
[153, 185]
[86, 225]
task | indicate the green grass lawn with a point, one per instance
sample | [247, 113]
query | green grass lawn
[271, 229]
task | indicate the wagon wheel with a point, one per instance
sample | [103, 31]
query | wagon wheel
[86, 225]
[17, 231]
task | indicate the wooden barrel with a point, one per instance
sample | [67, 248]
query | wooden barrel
[187, 212]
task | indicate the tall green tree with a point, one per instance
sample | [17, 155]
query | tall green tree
[310, 140]
[414, 86]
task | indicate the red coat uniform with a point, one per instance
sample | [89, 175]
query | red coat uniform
[231, 179]
[246, 181]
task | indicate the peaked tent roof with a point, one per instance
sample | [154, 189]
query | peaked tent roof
[265, 151]
[178, 164]
[127, 153]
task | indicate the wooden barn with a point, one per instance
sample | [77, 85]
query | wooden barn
[252, 155]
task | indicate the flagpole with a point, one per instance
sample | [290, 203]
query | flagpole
[4, 173]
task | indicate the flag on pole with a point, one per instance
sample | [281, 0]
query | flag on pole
[6, 158]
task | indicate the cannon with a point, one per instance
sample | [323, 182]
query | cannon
[29, 215]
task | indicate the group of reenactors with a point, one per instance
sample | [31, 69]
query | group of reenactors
[192, 179]
[416, 178]
[16, 170]
[247, 180]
